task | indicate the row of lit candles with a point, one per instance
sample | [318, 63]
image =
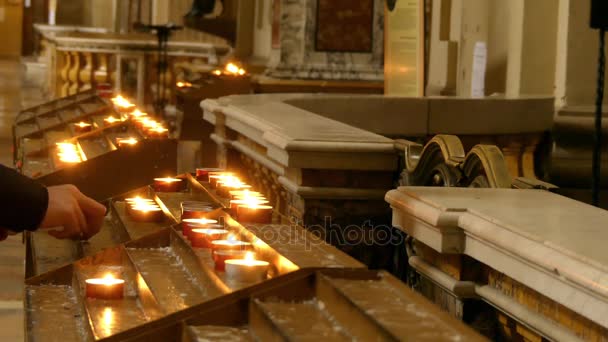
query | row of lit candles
[150, 126]
[69, 153]
[231, 69]
[246, 205]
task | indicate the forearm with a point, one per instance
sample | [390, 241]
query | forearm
[23, 201]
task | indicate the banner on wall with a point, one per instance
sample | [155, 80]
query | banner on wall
[404, 48]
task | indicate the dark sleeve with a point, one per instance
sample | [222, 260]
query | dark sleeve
[23, 201]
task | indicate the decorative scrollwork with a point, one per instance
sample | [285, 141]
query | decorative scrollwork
[437, 163]
[442, 162]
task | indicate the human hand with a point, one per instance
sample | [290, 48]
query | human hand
[80, 216]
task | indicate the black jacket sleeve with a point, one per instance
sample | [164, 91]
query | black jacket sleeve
[23, 201]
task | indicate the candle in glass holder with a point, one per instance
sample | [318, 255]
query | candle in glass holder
[220, 257]
[235, 203]
[224, 188]
[197, 223]
[214, 178]
[145, 213]
[203, 237]
[126, 142]
[168, 184]
[247, 269]
[254, 213]
[202, 174]
[244, 194]
[193, 209]
[107, 287]
[230, 244]
[82, 127]
[69, 153]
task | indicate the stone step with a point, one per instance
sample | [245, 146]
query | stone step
[304, 321]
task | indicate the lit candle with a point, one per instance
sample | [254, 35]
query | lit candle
[82, 127]
[253, 212]
[183, 84]
[138, 114]
[246, 270]
[168, 184]
[192, 209]
[224, 187]
[197, 223]
[203, 237]
[244, 194]
[158, 132]
[126, 142]
[217, 72]
[231, 244]
[215, 178]
[122, 103]
[111, 120]
[107, 287]
[202, 174]
[220, 257]
[68, 153]
[235, 203]
[145, 213]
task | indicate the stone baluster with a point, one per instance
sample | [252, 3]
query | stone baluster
[64, 73]
[100, 75]
[86, 72]
[73, 74]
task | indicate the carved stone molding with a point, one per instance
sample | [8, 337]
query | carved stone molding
[442, 162]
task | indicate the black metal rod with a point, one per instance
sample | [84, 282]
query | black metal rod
[597, 141]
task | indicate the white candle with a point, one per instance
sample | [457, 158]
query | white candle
[246, 270]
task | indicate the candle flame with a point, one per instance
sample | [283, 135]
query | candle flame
[127, 141]
[249, 256]
[232, 68]
[184, 84]
[111, 119]
[138, 113]
[68, 153]
[168, 180]
[217, 72]
[201, 221]
[122, 102]
[82, 124]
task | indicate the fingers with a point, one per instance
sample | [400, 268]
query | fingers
[94, 213]
[71, 228]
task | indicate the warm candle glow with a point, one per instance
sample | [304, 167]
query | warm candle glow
[69, 153]
[246, 194]
[199, 221]
[111, 120]
[107, 280]
[248, 260]
[184, 84]
[126, 141]
[138, 114]
[232, 68]
[82, 124]
[217, 72]
[167, 180]
[122, 102]
[138, 200]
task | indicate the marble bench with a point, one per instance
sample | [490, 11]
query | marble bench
[537, 257]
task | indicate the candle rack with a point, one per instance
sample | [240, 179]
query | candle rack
[102, 168]
[156, 259]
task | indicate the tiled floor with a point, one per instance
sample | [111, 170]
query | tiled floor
[15, 94]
